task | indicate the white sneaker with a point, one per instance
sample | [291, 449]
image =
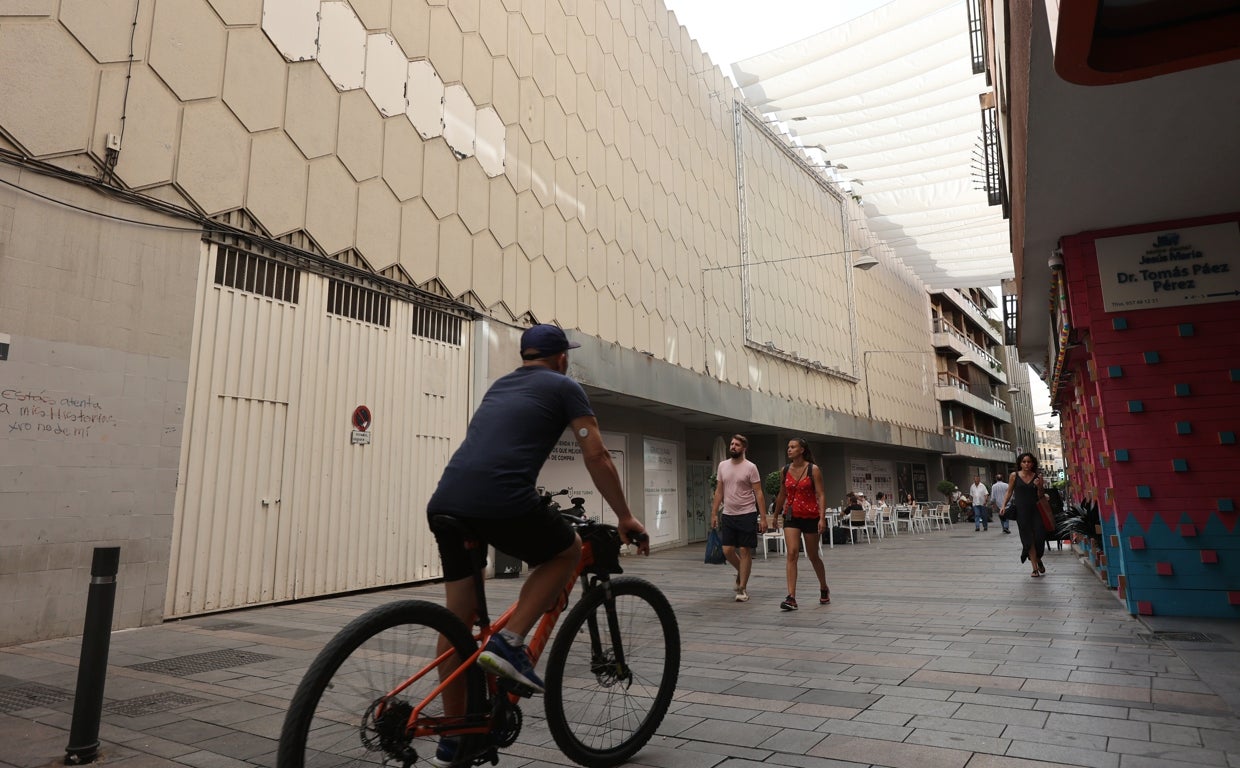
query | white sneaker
[742, 596]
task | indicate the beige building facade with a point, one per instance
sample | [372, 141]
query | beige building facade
[224, 226]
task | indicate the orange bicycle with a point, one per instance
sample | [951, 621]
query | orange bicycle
[610, 674]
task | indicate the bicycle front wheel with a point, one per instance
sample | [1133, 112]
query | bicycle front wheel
[600, 710]
[341, 714]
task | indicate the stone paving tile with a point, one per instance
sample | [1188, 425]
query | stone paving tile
[1182, 735]
[837, 699]
[916, 706]
[1026, 717]
[888, 753]
[883, 718]
[1100, 726]
[1169, 752]
[739, 734]
[866, 730]
[1084, 741]
[1225, 740]
[242, 746]
[957, 725]
[1077, 708]
[707, 712]
[1000, 761]
[791, 740]
[1142, 761]
[1185, 718]
[1054, 752]
[663, 757]
[1194, 702]
[203, 759]
[966, 742]
[788, 720]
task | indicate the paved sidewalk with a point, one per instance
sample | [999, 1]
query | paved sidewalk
[937, 651]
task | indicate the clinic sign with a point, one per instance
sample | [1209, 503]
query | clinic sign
[1193, 265]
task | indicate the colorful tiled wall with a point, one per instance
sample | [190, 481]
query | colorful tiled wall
[1150, 414]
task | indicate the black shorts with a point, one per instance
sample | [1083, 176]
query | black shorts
[534, 537]
[803, 524]
[739, 530]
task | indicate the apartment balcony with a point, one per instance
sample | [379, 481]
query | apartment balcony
[947, 336]
[976, 446]
[976, 313]
[950, 387]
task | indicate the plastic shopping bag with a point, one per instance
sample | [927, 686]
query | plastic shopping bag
[714, 548]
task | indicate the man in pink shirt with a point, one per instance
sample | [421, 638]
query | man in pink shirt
[740, 506]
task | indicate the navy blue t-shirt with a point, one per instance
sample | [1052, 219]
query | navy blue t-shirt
[495, 471]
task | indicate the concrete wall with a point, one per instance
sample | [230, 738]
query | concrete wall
[98, 315]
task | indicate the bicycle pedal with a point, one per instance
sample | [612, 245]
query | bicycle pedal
[510, 686]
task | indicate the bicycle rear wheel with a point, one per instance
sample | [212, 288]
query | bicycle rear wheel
[602, 712]
[338, 716]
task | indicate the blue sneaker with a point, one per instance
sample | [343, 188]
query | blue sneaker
[510, 663]
[445, 755]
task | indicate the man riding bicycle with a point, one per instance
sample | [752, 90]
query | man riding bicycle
[489, 486]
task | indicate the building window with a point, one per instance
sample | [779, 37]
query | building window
[256, 274]
[358, 303]
[437, 325]
[977, 38]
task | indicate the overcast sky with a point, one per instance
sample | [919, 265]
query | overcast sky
[731, 32]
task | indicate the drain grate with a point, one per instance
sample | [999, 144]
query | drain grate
[152, 703]
[195, 663]
[29, 695]
[1181, 637]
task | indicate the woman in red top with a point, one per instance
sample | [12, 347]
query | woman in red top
[804, 506]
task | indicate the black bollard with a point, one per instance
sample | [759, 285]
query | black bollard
[93, 667]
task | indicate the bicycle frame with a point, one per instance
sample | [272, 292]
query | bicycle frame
[468, 724]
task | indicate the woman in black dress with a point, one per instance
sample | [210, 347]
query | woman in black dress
[1024, 490]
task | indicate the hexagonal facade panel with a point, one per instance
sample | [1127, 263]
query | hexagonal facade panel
[489, 142]
[103, 27]
[360, 142]
[477, 69]
[342, 45]
[254, 77]
[554, 238]
[39, 60]
[529, 225]
[493, 26]
[542, 170]
[440, 181]
[419, 240]
[293, 27]
[387, 69]
[505, 96]
[276, 194]
[459, 120]
[425, 92]
[331, 205]
[503, 212]
[187, 48]
[312, 113]
[473, 196]
[466, 14]
[148, 151]
[446, 45]
[214, 158]
[488, 269]
[375, 14]
[378, 224]
[411, 26]
[456, 256]
[402, 159]
[237, 12]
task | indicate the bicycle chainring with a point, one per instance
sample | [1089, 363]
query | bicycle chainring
[506, 725]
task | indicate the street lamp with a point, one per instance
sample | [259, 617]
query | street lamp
[865, 368]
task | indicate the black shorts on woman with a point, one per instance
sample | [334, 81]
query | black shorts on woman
[805, 525]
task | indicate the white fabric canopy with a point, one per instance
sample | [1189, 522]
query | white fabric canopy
[890, 102]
